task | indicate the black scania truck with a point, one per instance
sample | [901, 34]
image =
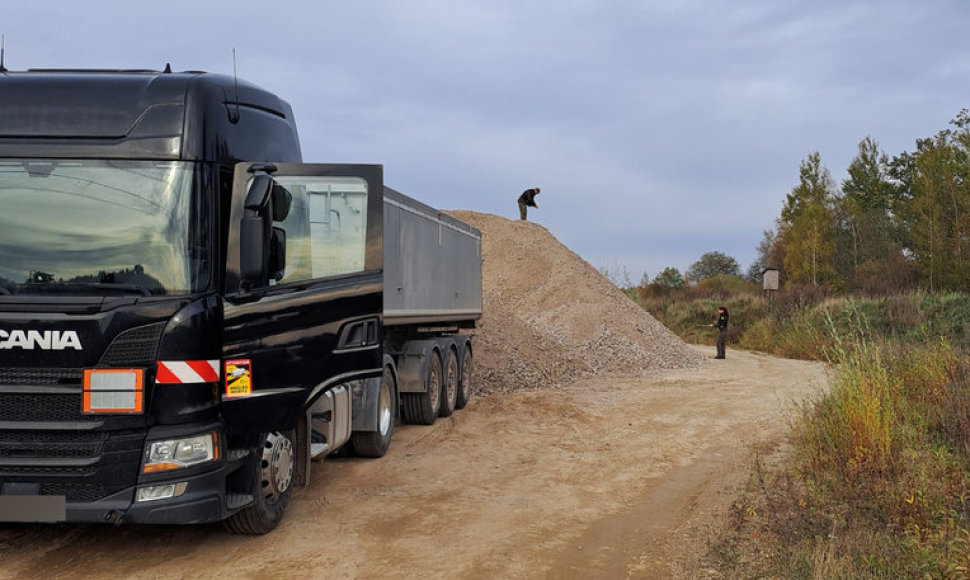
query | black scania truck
[189, 315]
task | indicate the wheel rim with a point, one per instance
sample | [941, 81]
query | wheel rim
[451, 384]
[434, 383]
[466, 375]
[277, 466]
[385, 408]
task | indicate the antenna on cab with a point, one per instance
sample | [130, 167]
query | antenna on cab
[235, 79]
[3, 42]
[233, 115]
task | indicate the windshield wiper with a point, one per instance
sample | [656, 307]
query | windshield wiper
[58, 287]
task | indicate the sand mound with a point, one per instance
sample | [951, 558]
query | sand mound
[549, 318]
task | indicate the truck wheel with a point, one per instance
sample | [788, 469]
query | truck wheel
[422, 408]
[272, 487]
[375, 443]
[449, 386]
[466, 383]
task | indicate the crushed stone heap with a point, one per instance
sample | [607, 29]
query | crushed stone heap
[549, 318]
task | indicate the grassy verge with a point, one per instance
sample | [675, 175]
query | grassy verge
[796, 324]
[876, 484]
[874, 480]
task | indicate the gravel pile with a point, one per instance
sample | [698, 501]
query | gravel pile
[549, 318]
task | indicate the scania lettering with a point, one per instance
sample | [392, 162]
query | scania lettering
[47, 340]
[191, 317]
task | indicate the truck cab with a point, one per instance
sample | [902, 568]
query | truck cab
[173, 343]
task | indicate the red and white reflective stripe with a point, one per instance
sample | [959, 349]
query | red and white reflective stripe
[187, 371]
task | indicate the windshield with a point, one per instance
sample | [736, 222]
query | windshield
[100, 227]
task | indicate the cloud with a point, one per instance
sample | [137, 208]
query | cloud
[658, 131]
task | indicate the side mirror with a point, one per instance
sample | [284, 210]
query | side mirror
[265, 194]
[252, 247]
[277, 254]
[262, 248]
[281, 200]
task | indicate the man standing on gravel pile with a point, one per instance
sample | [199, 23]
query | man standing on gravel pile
[721, 324]
[526, 200]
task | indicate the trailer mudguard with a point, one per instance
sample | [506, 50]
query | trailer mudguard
[412, 365]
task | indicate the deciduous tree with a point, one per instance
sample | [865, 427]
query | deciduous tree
[865, 209]
[809, 226]
[713, 264]
[670, 278]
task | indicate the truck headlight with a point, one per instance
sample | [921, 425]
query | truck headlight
[178, 453]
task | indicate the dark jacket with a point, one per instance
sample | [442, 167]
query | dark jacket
[528, 197]
[722, 320]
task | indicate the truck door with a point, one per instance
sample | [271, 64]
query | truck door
[303, 288]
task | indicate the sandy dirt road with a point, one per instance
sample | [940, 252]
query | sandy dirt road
[609, 478]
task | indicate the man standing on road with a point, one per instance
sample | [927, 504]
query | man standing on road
[526, 200]
[721, 323]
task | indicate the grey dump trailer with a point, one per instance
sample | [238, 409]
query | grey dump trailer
[432, 264]
[189, 314]
[432, 287]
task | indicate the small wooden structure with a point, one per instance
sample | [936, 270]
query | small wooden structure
[769, 278]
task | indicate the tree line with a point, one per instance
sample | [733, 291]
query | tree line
[893, 224]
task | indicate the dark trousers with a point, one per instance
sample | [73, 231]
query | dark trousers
[523, 209]
[721, 340]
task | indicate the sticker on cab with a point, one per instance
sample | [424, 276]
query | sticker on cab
[239, 378]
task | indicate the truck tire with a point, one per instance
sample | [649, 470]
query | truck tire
[466, 383]
[375, 443]
[273, 478]
[449, 383]
[422, 408]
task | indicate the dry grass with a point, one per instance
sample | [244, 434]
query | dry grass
[876, 483]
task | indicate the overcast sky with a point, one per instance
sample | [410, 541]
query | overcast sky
[658, 131]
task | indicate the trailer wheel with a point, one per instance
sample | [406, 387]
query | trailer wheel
[449, 386]
[273, 476]
[422, 408]
[375, 443]
[466, 383]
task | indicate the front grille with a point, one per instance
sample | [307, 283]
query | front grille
[29, 376]
[43, 407]
[20, 470]
[79, 492]
[83, 466]
[46, 440]
[55, 437]
[40, 440]
[134, 347]
[51, 444]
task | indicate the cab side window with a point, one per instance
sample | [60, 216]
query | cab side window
[326, 228]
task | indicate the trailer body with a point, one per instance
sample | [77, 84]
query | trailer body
[432, 264]
[189, 315]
